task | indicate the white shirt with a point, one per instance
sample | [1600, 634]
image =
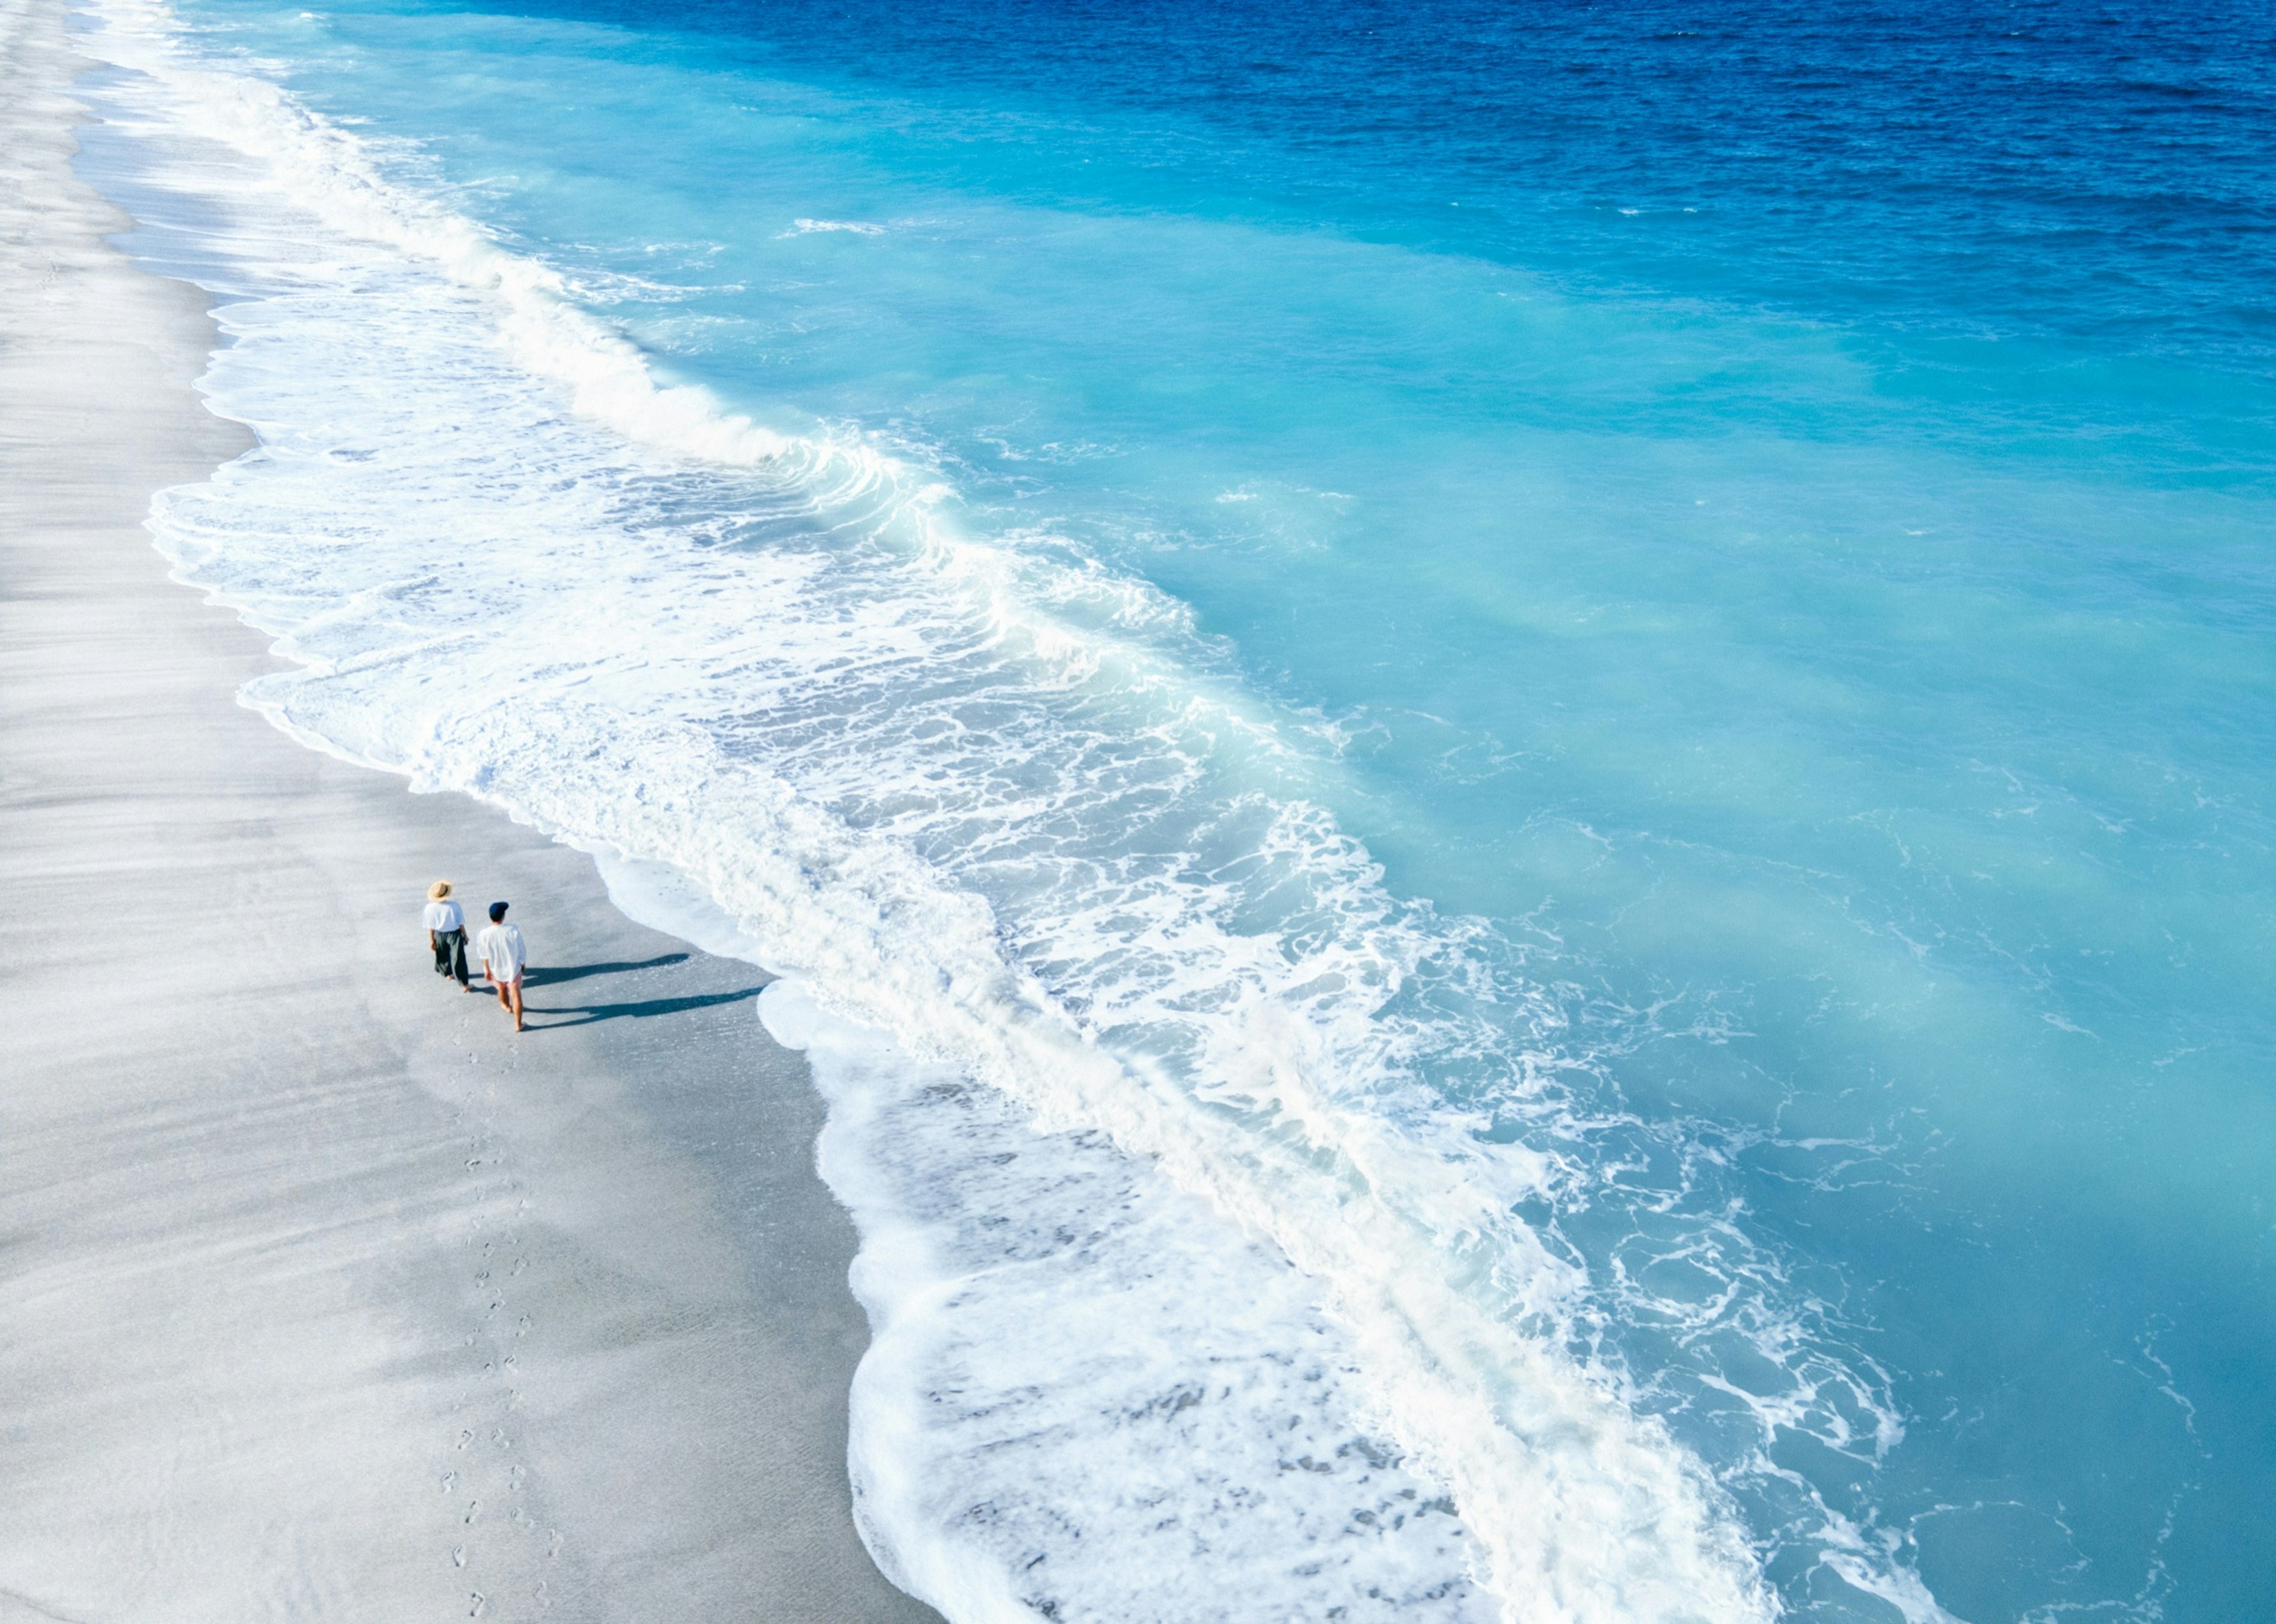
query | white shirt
[444, 916]
[503, 953]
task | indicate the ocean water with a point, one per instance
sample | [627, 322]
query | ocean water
[1511, 763]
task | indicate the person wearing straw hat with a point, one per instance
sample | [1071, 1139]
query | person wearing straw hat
[446, 933]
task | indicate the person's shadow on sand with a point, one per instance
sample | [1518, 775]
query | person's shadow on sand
[533, 977]
[585, 1014]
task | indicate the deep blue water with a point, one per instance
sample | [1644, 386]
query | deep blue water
[1761, 516]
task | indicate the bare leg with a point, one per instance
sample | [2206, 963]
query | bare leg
[515, 1005]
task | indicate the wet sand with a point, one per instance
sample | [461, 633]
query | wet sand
[325, 1295]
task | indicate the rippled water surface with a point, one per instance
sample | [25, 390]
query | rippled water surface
[1581, 699]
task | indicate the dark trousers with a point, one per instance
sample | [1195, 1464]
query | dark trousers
[451, 954]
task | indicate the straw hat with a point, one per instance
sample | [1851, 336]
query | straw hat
[439, 890]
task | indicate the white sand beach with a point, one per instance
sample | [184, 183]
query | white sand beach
[323, 1295]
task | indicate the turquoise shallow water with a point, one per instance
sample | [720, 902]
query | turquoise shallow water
[1760, 527]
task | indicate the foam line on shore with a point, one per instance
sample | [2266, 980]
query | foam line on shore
[327, 1293]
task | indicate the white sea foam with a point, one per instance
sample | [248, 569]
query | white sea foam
[1203, 1304]
[859, 228]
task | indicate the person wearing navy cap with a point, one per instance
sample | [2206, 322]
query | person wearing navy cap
[504, 960]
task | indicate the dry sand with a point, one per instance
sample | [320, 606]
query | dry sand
[321, 1294]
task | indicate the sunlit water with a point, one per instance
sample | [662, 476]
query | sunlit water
[1582, 702]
